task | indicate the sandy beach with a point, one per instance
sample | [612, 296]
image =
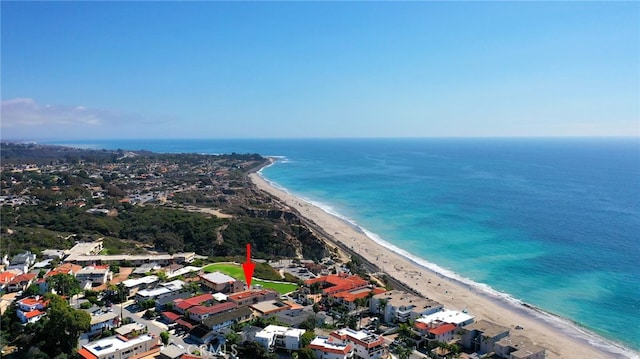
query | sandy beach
[560, 339]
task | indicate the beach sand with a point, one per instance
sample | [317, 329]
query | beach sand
[560, 340]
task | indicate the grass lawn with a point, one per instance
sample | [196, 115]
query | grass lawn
[236, 272]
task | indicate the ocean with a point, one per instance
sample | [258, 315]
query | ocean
[552, 222]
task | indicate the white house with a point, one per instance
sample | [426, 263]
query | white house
[459, 319]
[366, 344]
[330, 348]
[275, 336]
[118, 347]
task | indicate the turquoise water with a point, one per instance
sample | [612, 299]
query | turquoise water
[552, 222]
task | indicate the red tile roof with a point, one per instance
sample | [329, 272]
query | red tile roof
[442, 329]
[33, 313]
[171, 316]
[339, 283]
[218, 308]
[86, 354]
[6, 277]
[23, 278]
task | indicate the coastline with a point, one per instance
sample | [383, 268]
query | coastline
[561, 337]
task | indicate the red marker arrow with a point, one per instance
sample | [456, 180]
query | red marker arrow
[248, 267]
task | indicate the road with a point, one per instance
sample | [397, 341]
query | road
[152, 325]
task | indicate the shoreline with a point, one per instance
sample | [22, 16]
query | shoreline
[560, 336]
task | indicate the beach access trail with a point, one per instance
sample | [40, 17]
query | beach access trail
[561, 341]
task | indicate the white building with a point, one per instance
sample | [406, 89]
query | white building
[459, 319]
[103, 321]
[330, 348]
[164, 290]
[275, 336]
[97, 275]
[401, 306]
[118, 347]
[366, 344]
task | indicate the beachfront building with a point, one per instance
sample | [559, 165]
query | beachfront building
[336, 283]
[439, 333]
[366, 345]
[349, 298]
[481, 336]
[119, 347]
[459, 319]
[518, 347]
[277, 337]
[399, 306]
[331, 348]
[220, 282]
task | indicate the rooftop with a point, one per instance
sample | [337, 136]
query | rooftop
[487, 328]
[363, 337]
[328, 345]
[446, 316]
[218, 308]
[217, 278]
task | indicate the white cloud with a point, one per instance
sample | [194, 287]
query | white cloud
[25, 117]
[20, 112]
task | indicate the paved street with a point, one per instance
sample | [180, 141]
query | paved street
[154, 327]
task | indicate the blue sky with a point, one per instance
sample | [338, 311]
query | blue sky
[83, 70]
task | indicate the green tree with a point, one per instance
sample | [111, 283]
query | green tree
[67, 324]
[64, 284]
[164, 336]
[306, 353]
[306, 338]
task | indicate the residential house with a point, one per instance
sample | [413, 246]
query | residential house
[252, 296]
[399, 306]
[182, 305]
[119, 347]
[96, 274]
[31, 309]
[6, 278]
[349, 298]
[442, 332]
[459, 319]
[277, 337]
[220, 282]
[22, 261]
[199, 313]
[21, 282]
[481, 336]
[331, 348]
[518, 347]
[270, 307]
[131, 330]
[336, 283]
[136, 284]
[172, 290]
[103, 321]
[201, 334]
[227, 319]
[366, 344]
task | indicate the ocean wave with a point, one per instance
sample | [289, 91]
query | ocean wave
[564, 325]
